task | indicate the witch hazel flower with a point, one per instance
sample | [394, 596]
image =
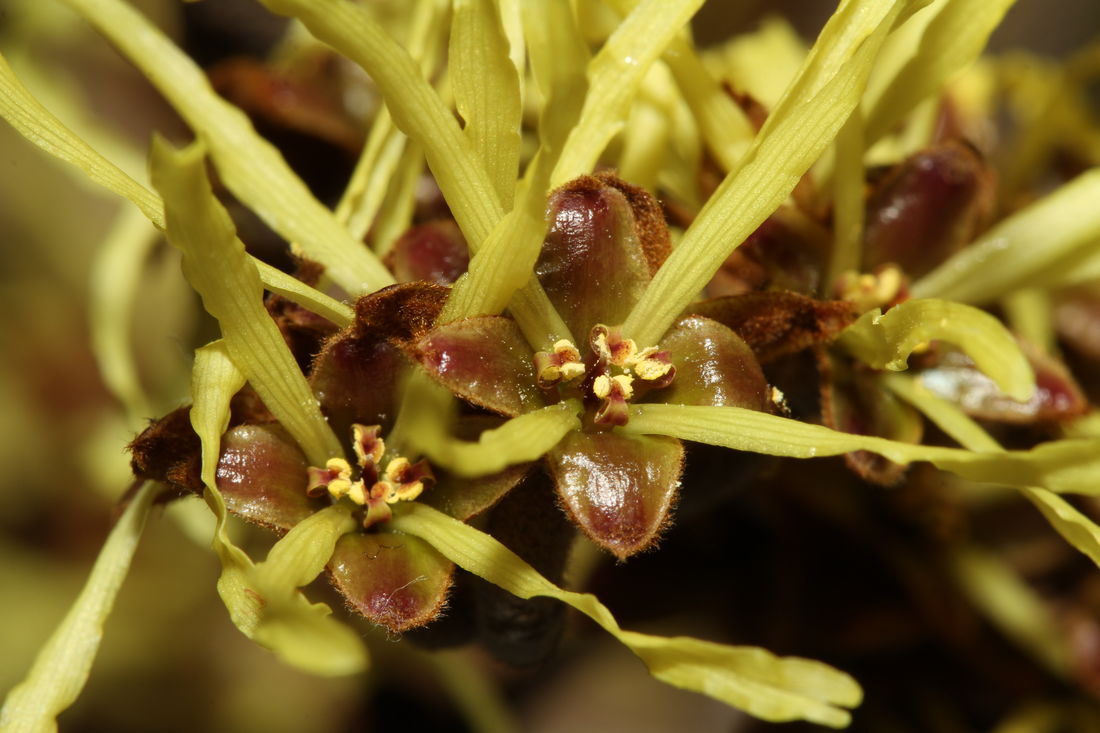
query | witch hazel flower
[574, 351]
[379, 483]
[604, 241]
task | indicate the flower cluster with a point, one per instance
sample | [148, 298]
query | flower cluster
[518, 344]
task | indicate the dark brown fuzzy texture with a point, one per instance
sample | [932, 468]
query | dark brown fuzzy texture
[402, 312]
[649, 219]
[777, 323]
[169, 451]
[303, 330]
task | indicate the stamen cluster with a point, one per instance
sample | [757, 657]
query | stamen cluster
[381, 482]
[607, 376]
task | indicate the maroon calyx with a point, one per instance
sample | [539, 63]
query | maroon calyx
[435, 252]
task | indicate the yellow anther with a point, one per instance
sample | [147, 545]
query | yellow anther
[603, 385]
[871, 290]
[563, 364]
[550, 374]
[369, 447]
[337, 485]
[407, 492]
[357, 492]
[649, 368]
[889, 283]
[395, 468]
[342, 468]
[626, 384]
[624, 353]
[566, 348]
[571, 370]
[406, 480]
[399, 480]
[386, 491]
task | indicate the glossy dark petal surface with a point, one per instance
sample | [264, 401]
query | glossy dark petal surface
[355, 379]
[618, 489]
[463, 498]
[593, 263]
[1057, 395]
[714, 366]
[396, 581]
[484, 360]
[435, 251]
[262, 476]
[927, 208]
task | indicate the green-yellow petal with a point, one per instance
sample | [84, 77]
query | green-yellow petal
[885, 340]
[249, 166]
[1071, 466]
[263, 600]
[797, 131]
[62, 665]
[218, 268]
[749, 678]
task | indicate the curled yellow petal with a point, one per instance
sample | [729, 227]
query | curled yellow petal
[263, 600]
[885, 340]
[749, 678]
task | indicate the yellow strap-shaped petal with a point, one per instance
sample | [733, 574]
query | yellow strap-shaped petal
[951, 40]
[42, 128]
[486, 89]
[383, 153]
[418, 110]
[885, 340]
[415, 106]
[806, 120]
[218, 268]
[116, 275]
[749, 678]
[1075, 527]
[426, 409]
[263, 600]
[62, 665]
[249, 166]
[1063, 465]
[34, 122]
[1066, 222]
[613, 79]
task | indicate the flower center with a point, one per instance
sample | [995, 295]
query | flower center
[608, 378]
[381, 482]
